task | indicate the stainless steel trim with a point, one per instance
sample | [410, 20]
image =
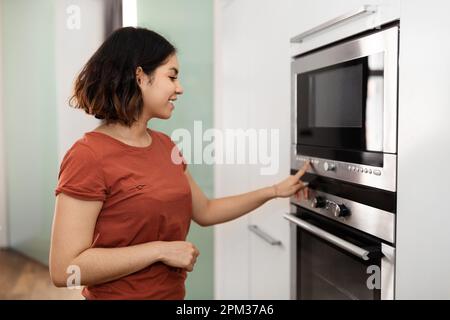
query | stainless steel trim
[384, 41]
[390, 90]
[293, 110]
[341, 243]
[387, 272]
[379, 177]
[347, 51]
[263, 235]
[365, 10]
[376, 222]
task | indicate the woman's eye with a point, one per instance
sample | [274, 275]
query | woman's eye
[173, 78]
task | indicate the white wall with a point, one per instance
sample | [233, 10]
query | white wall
[58, 53]
[73, 49]
[3, 215]
[423, 219]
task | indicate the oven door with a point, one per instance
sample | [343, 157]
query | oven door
[332, 261]
[345, 97]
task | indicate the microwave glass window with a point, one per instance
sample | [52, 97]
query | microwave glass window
[341, 106]
[336, 97]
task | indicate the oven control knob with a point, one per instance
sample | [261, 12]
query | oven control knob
[341, 211]
[327, 166]
[318, 202]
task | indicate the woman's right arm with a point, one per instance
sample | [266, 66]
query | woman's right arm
[72, 237]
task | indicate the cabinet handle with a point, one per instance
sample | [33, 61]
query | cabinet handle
[254, 228]
[365, 10]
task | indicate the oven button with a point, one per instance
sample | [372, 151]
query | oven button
[377, 172]
[341, 211]
[318, 202]
[365, 170]
[329, 166]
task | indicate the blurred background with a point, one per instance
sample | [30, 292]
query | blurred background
[43, 46]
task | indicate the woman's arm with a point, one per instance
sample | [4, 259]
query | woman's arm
[72, 236]
[208, 212]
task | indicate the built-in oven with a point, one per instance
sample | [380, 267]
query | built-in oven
[344, 108]
[344, 121]
[342, 242]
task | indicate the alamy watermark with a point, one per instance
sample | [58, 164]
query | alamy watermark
[374, 280]
[229, 146]
[74, 278]
[73, 21]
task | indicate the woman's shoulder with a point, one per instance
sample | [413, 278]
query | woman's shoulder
[158, 134]
[88, 147]
[163, 137]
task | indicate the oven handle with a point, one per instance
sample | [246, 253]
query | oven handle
[331, 238]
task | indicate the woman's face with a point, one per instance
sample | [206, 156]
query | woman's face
[160, 90]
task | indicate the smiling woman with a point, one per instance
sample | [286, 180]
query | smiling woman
[116, 82]
[123, 203]
[123, 208]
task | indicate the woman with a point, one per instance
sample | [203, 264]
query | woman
[123, 204]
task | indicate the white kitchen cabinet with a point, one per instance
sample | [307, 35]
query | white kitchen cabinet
[308, 14]
[252, 92]
[423, 220]
[270, 111]
[231, 247]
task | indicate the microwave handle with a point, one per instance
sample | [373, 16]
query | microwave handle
[331, 238]
[366, 9]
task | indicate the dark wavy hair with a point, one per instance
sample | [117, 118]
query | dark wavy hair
[107, 87]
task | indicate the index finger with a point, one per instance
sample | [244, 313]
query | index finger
[303, 169]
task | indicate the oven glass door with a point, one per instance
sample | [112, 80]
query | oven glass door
[326, 271]
[341, 106]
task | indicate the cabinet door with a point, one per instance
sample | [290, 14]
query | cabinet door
[270, 116]
[231, 248]
[252, 83]
[308, 14]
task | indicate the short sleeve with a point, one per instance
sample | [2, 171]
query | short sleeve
[80, 174]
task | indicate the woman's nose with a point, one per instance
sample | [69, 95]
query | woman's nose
[179, 89]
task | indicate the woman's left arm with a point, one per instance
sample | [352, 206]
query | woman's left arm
[208, 212]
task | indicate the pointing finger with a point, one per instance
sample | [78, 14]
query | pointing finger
[303, 169]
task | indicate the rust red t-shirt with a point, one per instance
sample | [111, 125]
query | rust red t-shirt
[146, 197]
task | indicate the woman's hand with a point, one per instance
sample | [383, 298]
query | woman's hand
[179, 254]
[293, 185]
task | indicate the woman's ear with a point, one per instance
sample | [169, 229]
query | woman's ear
[139, 75]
